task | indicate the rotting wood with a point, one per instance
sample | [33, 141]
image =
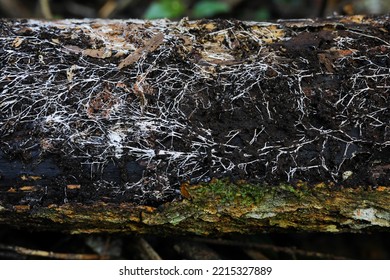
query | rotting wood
[202, 127]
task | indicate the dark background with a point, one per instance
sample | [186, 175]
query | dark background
[23, 244]
[175, 9]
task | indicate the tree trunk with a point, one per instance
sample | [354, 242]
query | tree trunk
[199, 127]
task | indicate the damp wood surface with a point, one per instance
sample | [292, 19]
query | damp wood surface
[201, 127]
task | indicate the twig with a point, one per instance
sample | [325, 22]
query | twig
[277, 249]
[45, 9]
[48, 254]
[147, 250]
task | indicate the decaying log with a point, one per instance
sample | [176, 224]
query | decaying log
[204, 127]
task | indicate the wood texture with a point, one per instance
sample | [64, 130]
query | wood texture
[204, 127]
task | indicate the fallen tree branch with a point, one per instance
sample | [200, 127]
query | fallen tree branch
[195, 126]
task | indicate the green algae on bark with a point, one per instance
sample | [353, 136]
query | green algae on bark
[221, 207]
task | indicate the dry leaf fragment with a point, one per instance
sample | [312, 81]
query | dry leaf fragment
[17, 42]
[150, 46]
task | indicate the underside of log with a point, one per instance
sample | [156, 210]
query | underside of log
[195, 126]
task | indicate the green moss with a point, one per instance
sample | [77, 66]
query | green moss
[225, 192]
[297, 192]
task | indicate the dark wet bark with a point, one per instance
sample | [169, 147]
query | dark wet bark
[201, 126]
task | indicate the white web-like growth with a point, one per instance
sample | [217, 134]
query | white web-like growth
[158, 111]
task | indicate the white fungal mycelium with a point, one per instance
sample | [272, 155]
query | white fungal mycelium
[153, 108]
